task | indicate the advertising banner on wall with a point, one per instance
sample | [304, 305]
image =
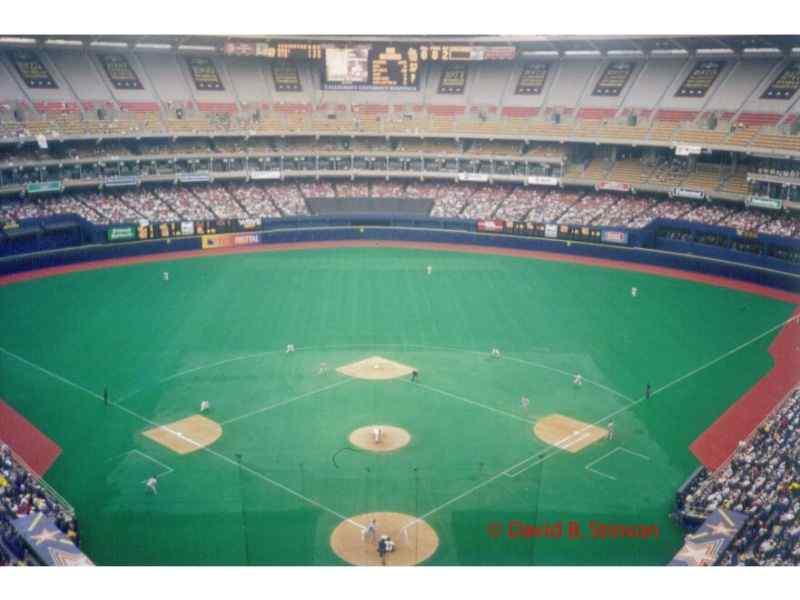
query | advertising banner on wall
[614, 237]
[541, 180]
[265, 175]
[477, 177]
[494, 226]
[764, 202]
[551, 230]
[684, 150]
[122, 234]
[613, 186]
[687, 193]
[229, 240]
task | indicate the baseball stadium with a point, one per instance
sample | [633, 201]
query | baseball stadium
[400, 300]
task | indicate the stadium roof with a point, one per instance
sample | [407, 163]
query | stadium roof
[561, 44]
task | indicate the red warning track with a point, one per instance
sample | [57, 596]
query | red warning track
[33, 446]
[712, 448]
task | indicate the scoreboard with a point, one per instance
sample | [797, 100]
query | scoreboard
[371, 68]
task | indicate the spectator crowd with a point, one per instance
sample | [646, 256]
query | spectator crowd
[20, 495]
[761, 480]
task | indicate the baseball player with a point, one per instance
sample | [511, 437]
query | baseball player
[495, 353]
[369, 532]
[414, 375]
[525, 403]
[323, 368]
[647, 391]
[105, 395]
[165, 275]
[610, 428]
[429, 269]
[289, 348]
[578, 380]
[205, 406]
[634, 292]
[152, 483]
[377, 434]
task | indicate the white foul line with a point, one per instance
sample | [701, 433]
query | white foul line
[184, 437]
[613, 414]
[285, 402]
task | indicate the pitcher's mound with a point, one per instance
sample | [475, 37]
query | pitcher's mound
[393, 438]
[375, 367]
[187, 435]
[412, 546]
[568, 434]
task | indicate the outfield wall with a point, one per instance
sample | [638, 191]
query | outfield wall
[726, 264]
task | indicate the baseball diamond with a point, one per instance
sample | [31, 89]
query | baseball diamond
[256, 472]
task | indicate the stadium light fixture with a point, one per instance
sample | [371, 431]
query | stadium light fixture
[761, 50]
[198, 48]
[582, 52]
[631, 52]
[147, 46]
[669, 51]
[715, 51]
[540, 53]
[58, 42]
[109, 44]
[17, 40]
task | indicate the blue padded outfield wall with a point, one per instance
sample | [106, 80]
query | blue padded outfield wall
[68, 240]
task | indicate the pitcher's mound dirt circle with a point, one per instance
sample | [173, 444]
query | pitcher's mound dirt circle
[393, 438]
[415, 545]
[187, 435]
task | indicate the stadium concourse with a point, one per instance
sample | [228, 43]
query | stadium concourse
[685, 153]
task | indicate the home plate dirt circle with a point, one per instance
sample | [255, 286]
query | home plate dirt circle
[393, 438]
[413, 545]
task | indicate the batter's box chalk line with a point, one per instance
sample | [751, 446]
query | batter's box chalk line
[590, 466]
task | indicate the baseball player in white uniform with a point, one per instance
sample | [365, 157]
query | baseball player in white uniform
[429, 269]
[152, 483]
[634, 292]
[578, 380]
[377, 434]
[525, 403]
[289, 348]
[495, 353]
[165, 275]
[610, 428]
[323, 368]
[369, 532]
[205, 405]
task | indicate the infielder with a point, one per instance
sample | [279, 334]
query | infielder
[369, 532]
[152, 483]
[610, 428]
[323, 368]
[414, 375]
[578, 380]
[525, 403]
[205, 405]
[495, 353]
[289, 348]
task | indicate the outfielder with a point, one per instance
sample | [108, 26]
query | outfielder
[634, 292]
[429, 269]
[165, 275]
[289, 348]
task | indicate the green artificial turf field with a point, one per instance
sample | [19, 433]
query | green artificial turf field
[217, 331]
